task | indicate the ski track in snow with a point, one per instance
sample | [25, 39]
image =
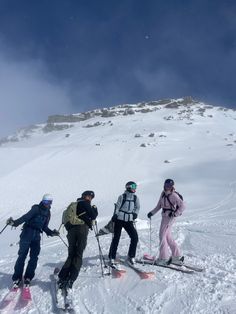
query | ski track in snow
[204, 168]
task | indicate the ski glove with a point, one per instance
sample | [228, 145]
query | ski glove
[172, 214]
[10, 222]
[135, 216]
[55, 233]
[149, 215]
[114, 217]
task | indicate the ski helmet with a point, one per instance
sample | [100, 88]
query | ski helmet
[88, 193]
[169, 184]
[131, 186]
[47, 199]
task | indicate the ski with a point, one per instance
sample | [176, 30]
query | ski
[117, 272]
[26, 294]
[189, 266]
[181, 269]
[62, 302]
[10, 298]
[143, 274]
[68, 301]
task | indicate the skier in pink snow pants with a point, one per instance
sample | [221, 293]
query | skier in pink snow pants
[172, 206]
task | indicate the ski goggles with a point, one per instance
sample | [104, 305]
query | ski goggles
[47, 202]
[168, 186]
[133, 186]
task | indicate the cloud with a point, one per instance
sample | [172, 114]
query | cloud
[28, 94]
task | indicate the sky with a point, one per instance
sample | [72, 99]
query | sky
[68, 56]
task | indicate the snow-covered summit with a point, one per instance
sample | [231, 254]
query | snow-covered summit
[183, 109]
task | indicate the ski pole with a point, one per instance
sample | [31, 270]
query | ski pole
[3, 229]
[60, 227]
[100, 249]
[150, 237]
[101, 256]
[63, 241]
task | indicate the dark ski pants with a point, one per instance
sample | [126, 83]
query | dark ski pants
[130, 229]
[77, 240]
[29, 242]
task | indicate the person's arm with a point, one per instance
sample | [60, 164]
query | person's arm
[118, 204]
[49, 232]
[84, 212]
[26, 217]
[157, 208]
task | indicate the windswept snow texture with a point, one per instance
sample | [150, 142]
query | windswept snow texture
[192, 143]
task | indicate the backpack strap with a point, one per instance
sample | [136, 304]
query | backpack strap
[123, 201]
[172, 206]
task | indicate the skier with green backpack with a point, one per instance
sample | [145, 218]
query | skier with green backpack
[78, 219]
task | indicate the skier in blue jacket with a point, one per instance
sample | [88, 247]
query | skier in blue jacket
[35, 222]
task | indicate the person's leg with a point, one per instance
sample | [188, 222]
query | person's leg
[171, 242]
[22, 254]
[65, 271]
[32, 264]
[132, 232]
[164, 252]
[81, 242]
[116, 238]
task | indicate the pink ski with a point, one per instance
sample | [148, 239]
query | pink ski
[26, 295]
[117, 273]
[9, 298]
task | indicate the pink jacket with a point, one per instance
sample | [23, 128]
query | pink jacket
[164, 203]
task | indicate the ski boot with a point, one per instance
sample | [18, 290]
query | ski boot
[130, 261]
[16, 283]
[177, 260]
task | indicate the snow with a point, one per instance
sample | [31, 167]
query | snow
[200, 162]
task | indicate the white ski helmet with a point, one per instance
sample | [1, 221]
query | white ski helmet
[47, 198]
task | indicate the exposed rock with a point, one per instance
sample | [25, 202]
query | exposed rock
[138, 135]
[173, 105]
[108, 113]
[188, 100]
[93, 125]
[128, 112]
[64, 118]
[145, 110]
[151, 135]
[143, 145]
[50, 127]
[168, 118]
[162, 102]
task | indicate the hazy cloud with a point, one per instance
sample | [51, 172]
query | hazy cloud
[28, 94]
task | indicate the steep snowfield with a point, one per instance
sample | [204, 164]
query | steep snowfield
[194, 144]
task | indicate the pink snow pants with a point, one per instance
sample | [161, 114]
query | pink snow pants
[166, 240]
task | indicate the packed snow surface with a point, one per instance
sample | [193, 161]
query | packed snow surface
[194, 144]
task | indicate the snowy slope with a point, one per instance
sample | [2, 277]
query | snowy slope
[189, 141]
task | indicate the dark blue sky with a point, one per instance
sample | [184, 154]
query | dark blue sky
[96, 53]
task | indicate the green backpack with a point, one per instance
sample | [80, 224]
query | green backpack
[69, 215]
